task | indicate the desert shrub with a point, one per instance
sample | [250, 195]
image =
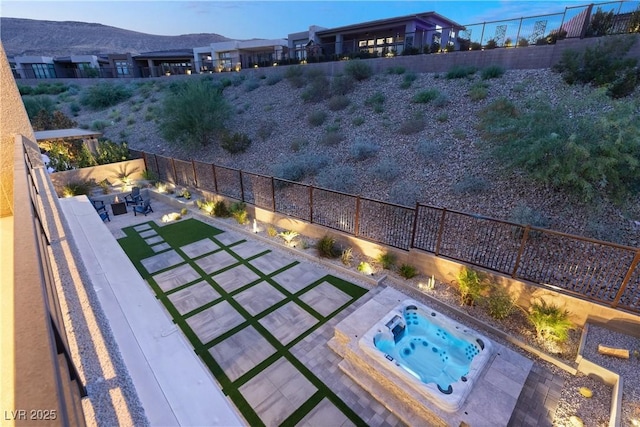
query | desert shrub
[412, 125]
[386, 170]
[407, 80]
[426, 96]
[470, 184]
[36, 104]
[523, 42]
[111, 152]
[593, 152]
[551, 322]
[427, 149]
[327, 248]
[293, 71]
[100, 125]
[442, 100]
[342, 85]
[361, 150]
[194, 112]
[338, 102]
[221, 210]
[461, 71]
[251, 84]
[338, 178]
[500, 304]
[290, 170]
[104, 95]
[316, 118]
[77, 188]
[404, 193]
[472, 286]
[358, 69]
[491, 44]
[604, 64]
[358, 121]
[601, 23]
[273, 79]
[396, 70]
[478, 91]
[265, 129]
[347, 257]
[492, 72]
[434, 48]
[407, 271]
[48, 121]
[234, 143]
[238, 211]
[442, 117]
[475, 46]
[331, 138]
[376, 102]
[318, 89]
[297, 144]
[75, 108]
[523, 214]
[272, 231]
[386, 260]
[313, 163]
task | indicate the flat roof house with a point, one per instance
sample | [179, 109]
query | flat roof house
[46, 67]
[161, 63]
[234, 55]
[376, 38]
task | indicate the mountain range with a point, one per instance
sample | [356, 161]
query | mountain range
[54, 38]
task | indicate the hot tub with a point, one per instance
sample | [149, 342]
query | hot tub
[428, 353]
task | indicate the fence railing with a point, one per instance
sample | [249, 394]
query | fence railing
[602, 272]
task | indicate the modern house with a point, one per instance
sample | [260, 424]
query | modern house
[162, 63]
[46, 67]
[377, 38]
[234, 55]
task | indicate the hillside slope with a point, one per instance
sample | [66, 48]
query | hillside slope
[52, 38]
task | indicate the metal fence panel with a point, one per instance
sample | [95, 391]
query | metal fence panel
[184, 173]
[427, 224]
[257, 190]
[589, 268]
[150, 163]
[384, 223]
[630, 299]
[229, 182]
[481, 241]
[204, 176]
[334, 210]
[165, 169]
[293, 199]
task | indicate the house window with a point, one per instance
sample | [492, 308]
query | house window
[43, 71]
[122, 68]
[300, 49]
[224, 61]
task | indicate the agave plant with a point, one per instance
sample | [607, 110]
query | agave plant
[551, 322]
[288, 236]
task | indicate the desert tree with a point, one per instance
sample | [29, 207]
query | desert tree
[194, 112]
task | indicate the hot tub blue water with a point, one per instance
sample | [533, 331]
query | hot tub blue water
[427, 349]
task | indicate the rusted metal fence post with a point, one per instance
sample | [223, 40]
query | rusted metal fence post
[625, 281]
[356, 224]
[415, 225]
[525, 236]
[311, 204]
[273, 194]
[175, 174]
[440, 231]
[241, 186]
[195, 174]
[215, 178]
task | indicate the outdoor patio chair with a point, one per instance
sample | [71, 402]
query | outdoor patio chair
[104, 215]
[143, 208]
[98, 205]
[134, 198]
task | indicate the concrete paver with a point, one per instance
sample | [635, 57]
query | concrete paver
[325, 298]
[298, 277]
[258, 298]
[214, 321]
[215, 262]
[288, 322]
[176, 277]
[235, 278]
[201, 247]
[192, 297]
[162, 261]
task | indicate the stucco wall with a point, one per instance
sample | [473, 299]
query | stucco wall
[111, 172]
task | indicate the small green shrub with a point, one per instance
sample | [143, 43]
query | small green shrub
[443, 117]
[475, 46]
[500, 304]
[492, 72]
[407, 271]
[426, 96]
[342, 85]
[387, 260]
[338, 102]
[331, 138]
[413, 125]
[266, 128]
[347, 257]
[358, 121]
[326, 247]
[358, 69]
[461, 71]
[551, 322]
[104, 95]
[361, 150]
[376, 102]
[99, 125]
[221, 210]
[491, 44]
[235, 143]
[317, 118]
[251, 85]
[428, 149]
[337, 178]
[472, 286]
[77, 188]
[404, 194]
[478, 92]
[365, 268]
[408, 80]
[441, 101]
[318, 90]
[273, 79]
[271, 231]
[290, 170]
[297, 144]
[293, 71]
[238, 211]
[523, 42]
[386, 170]
[36, 104]
[396, 70]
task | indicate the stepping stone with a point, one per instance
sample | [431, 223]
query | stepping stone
[214, 262]
[248, 249]
[176, 277]
[161, 261]
[235, 278]
[153, 240]
[161, 247]
[241, 352]
[325, 414]
[214, 321]
[270, 262]
[228, 238]
[259, 297]
[277, 392]
[192, 297]
[288, 322]
[299, 277]
[201, 247]
[142, 227]
[325, 298]
[148, 233]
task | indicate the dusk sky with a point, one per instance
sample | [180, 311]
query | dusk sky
[264, 19]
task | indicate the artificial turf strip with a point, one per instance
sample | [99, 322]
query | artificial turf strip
[133, 245]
